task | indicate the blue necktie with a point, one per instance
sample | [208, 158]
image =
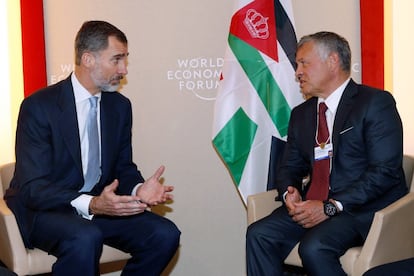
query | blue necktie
[93, 170]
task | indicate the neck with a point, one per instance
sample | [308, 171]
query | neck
[86, 81]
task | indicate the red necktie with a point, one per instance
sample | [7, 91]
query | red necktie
[319, 186]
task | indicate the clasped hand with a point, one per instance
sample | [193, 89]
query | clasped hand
[307, 213]
[150, 193]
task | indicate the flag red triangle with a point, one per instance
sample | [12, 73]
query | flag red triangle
[255, 24]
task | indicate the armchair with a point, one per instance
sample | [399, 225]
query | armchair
[390, 237]
[13, 253]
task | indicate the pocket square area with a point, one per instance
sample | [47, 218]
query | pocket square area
[346, 130]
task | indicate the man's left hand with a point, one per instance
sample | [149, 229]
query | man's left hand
[309, 213]
[152, 192]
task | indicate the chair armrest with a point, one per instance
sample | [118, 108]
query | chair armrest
[391, 236]
[260, 205]
[12, 250]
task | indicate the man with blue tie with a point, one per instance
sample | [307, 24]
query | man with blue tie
[347, 138]
[75, 185]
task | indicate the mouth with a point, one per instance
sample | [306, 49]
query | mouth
[116, 79]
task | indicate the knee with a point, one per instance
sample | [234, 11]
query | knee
[173, 234]
[254, 232]
[168, 234]
[310, 249]
[257, 239]
[250, 232]
[86, 239]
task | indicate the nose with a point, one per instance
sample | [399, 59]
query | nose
[123, 68]
[298, 75]
[298, 71]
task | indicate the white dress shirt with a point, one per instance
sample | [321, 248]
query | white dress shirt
[332, 103]
[81, 203]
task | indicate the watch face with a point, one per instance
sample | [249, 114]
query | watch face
[330, 209]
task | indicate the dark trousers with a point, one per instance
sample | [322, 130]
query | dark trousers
[5, 272]
[77, 243]
[270, 240]
[400, 268]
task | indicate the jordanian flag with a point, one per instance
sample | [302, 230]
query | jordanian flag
[257, 92]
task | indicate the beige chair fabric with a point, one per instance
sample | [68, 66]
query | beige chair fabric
[391, 236]
[25, 261]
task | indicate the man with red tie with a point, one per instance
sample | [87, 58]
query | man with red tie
[347, 138]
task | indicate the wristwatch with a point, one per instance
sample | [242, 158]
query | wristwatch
[329, 208]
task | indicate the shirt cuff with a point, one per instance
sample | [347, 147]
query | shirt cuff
[339, 205]
[81, 204]
[284, 196]
[134, 191]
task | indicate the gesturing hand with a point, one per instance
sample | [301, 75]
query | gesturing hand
[152, 191]
[109, 203]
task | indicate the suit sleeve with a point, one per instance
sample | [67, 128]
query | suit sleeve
[126, 170]
[370, 157]
[34, 176]
[295, 163]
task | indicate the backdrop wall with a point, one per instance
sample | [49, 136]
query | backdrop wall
[176, 50]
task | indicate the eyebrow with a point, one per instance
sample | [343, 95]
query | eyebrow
[120, 55]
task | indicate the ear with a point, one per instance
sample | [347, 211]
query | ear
[88, 59]
[333, 60]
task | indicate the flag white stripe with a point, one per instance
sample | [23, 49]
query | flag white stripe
[236, 90]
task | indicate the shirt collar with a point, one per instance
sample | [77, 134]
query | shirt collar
[332, 101]
[79, 91]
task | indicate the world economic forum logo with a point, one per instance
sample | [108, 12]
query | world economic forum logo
[200, 76]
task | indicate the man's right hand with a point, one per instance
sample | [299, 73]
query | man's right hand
[109, 203]
[306, 213]
[292, 196]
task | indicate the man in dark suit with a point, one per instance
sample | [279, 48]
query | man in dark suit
[56, 209]
[362, 152]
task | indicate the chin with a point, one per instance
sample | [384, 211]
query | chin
[111, 88]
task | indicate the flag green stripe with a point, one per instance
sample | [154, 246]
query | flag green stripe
[234, 142]
[262, 80]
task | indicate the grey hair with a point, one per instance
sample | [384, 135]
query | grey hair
[327, 43]
[93, 37]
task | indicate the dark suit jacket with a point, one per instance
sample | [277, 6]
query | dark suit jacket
[366, 173]
[48, 171]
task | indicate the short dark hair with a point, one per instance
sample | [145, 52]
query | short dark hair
[93, 37]
[328, 42]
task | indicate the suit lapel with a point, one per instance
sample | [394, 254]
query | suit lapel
[68, 122]
[109, 123]
[344, 107]
[311, 123]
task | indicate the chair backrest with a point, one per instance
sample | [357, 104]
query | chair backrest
[6, 174]
[408, 166]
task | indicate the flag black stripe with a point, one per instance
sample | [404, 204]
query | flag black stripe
[285, 33]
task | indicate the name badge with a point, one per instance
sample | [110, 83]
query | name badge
[323, 152]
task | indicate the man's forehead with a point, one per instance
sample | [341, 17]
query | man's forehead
[305, 50]
[116, 48]
[112, 40]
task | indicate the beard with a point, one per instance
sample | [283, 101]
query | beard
[109, 87]
[103, 84]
